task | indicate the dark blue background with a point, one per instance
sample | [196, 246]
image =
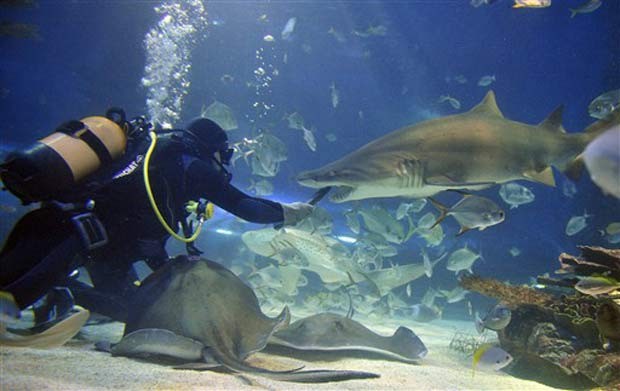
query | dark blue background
[91, 56]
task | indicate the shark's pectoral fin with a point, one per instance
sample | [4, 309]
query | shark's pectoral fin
[146, 342]
[341, 193]
[545, 176]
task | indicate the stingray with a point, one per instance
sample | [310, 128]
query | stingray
[193, 309]
[331, 332]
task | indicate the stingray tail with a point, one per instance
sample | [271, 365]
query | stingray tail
[294, 375]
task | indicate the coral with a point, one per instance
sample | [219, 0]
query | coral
[512, 295]
[592, 260]
[603, 368]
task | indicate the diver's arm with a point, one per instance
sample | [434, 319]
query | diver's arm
[204, 180]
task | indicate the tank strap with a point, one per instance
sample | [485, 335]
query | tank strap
[78, 129]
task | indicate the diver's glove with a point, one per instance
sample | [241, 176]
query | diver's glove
[295, 212]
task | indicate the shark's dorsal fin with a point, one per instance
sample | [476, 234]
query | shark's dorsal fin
[488, 106]
[553, 122]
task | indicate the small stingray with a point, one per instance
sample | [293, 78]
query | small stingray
[194, 309]
[329, 332]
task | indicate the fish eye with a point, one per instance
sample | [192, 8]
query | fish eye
[498, 362]
[501, 214]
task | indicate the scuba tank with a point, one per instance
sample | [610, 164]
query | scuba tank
[55, 165]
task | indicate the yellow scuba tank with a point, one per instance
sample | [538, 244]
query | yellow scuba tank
[56, 164]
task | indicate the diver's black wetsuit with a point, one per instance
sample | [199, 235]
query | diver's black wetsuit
[133, 230]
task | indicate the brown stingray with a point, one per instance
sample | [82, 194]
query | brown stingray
[329, 332]
[193, 301]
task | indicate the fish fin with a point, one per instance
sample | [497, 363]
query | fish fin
[412, 229]
[488, 106]
[518, 6]
[545, 176]
[553, 122]
[443, 210]
[478, 323]
[572, 12]
[574, 169]
[463, 230]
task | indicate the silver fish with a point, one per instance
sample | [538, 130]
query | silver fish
[514, 194]
[462, 259]
[471, 212]
[496, 319]
[288, 29]
[486, 80]
[585, 8]
[576, 224]
[335, 94]
[604, 104]
[453, 101]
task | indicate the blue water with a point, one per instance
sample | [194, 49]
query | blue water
[91, 56]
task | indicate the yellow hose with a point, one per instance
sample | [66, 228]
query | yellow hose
[147, 185]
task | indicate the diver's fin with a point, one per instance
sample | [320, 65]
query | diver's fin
[55, 336]
[545, 176]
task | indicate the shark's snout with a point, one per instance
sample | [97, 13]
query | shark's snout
[309, 179]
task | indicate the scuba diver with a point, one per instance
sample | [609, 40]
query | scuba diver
[112, 192]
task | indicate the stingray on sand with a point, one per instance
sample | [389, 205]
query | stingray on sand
[197, 310]
[331, 332]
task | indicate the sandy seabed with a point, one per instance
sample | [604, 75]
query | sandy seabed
[78, 366]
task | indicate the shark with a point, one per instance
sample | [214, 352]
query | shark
[468, 151]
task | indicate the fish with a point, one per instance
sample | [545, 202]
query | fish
[453, 101]
[310, 139]
[569, 189]
[395, 276]
[405, 208]
[429, 297]
[489, 356]
[332, 332]
[197, 310]
[514, 251]
[377, 30]
[221, 114]
[486, 80]
[531, 3]
[471, 212]
[462, 259]
[478, 3]
[323, 255]
[320, 221]
[496, 319]
[468, 151]
[585, 8]
[604, 104]
[576, 224]
[597, 285]
[423, 313]
[331, 137]
[295, 121]
[267, 152]
[455, 295]
[379, 220]
[288, 29]
[433, 236]
[611, 233]
[602, 160]
[335, 95]
[338, 36]
[261, 187]
[515, 194]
